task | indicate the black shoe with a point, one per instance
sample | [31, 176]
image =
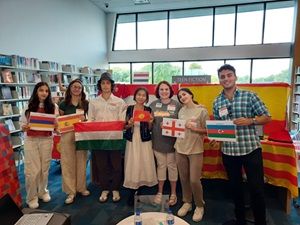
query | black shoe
[233, 222]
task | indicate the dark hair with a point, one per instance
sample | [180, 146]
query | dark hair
[187, 91]
[166, 83]
[141, 89]
[226, 67]
[83, 104]
[106, 76]
[34, 101]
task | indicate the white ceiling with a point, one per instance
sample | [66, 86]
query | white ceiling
[128, 6]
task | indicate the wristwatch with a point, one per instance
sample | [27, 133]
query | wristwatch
[254, 121]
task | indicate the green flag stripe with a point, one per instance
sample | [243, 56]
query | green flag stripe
[101, 145]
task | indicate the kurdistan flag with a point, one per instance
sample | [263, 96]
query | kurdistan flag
[99, 135]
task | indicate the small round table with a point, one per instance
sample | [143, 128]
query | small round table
[157, 218]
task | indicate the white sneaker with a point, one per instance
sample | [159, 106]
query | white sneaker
[116, 196]
[70, 199]
[45, 197]
[198, 214]
[185, 208]
[33, 204]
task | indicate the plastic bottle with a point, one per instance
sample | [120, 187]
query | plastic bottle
[138, 218]
[170, 217]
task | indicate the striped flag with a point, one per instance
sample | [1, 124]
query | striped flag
[173, 127]
[141, 77]
[99, 135]
[221, 130]
[41, 121]
[66, 122]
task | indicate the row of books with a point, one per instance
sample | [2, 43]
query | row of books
[8, 109]
[25, 62]
[8, 93]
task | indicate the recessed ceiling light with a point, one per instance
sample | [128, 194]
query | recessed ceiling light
[141, 2]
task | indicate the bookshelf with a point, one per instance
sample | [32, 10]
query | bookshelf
[295, 119]
[18, 77]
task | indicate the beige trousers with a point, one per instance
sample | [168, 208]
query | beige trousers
[37, 158]
[73, 165]
[166, 161]
[190, 171]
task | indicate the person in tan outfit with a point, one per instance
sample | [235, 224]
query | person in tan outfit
[73, 162]
[189, 153]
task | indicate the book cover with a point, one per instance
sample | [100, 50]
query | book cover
[6, 93]
[10, 124]
[7, 76]
[7, 109]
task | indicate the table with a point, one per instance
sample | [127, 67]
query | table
[280, 168]
[152, 218]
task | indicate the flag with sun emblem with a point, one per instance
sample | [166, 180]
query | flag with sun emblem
[141, 116]
[173, 127]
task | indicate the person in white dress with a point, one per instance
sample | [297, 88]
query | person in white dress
[139, 164]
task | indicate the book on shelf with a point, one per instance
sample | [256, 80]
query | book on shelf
[10, 124]
[14, 94]
[16, 140]
[7, 76]
[7, 109]
[6, 93]
[16, 124]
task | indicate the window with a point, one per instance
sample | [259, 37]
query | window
[191, 28]
[242, 69]
[279, 22]
[120, 72]
[271, 70]
[165, 71]
[224, 26]
[125, 33]
[152, 30]
[204, 68]
[142, 69]
[249, 24]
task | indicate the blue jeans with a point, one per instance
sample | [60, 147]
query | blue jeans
[253, 167]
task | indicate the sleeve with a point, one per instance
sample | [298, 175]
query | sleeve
[23, 120]
[62, 106]
[258, 107]
[122, 110]
[91, 114]
[215, 111]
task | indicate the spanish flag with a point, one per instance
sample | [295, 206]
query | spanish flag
[66, 122]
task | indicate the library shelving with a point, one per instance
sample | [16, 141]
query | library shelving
[18, 77]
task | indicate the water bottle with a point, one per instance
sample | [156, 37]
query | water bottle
[138, 218]
[170, 217]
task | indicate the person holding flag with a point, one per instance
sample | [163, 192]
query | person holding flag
[189, 153]
[163, 146]
[139, 167]
[246, 110]
[38, 145]
[107, 163]
[73, 162]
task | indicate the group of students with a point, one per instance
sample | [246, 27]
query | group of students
[149, 156]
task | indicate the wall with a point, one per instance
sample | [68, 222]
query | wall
[65, 31]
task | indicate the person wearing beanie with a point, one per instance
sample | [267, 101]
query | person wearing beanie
[106, 164]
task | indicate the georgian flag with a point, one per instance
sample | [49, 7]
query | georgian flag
[173, 127]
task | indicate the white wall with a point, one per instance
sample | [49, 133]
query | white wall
[64, 31]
